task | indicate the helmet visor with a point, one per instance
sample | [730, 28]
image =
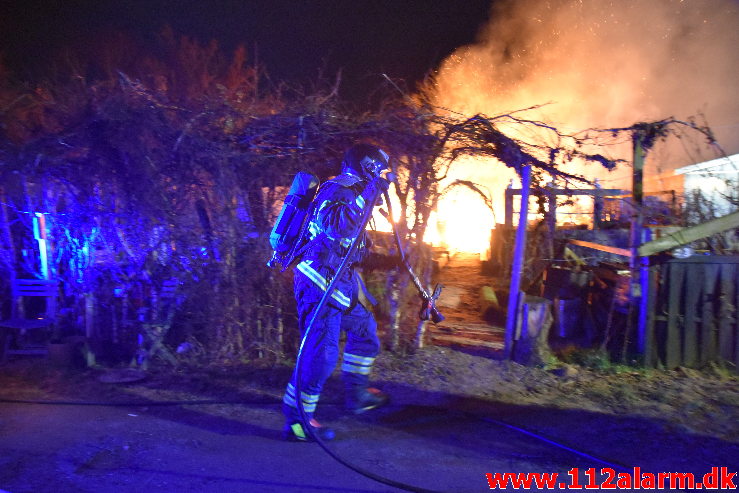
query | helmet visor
[374, 166]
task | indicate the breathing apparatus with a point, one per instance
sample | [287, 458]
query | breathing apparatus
[365, 161]
[289, 230]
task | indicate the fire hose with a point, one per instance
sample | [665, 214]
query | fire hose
[429, 309]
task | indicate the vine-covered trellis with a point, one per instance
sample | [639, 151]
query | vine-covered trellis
[175, 169]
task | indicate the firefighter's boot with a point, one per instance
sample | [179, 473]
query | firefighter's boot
[365, 399]
[296, 432]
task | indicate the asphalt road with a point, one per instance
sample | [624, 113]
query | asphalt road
[236, 448]
[189, 448]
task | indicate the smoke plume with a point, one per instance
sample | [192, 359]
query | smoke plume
[605, 63]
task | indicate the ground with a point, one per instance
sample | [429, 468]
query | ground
[454, 417]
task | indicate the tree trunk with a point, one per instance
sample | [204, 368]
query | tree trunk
[531, 344]
[394, 299]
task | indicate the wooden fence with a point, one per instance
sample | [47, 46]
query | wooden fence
[683, 312]
[693, 319]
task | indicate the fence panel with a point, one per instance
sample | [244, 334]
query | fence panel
[697, 303]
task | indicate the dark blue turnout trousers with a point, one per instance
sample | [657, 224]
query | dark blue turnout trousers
[321, 350]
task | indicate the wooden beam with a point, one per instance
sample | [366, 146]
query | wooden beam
[603, 248]
[569, 254]
[693, 233]
[467, 341]
[599, 192]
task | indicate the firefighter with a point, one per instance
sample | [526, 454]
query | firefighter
[334, 221]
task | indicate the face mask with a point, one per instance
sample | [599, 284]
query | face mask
[375, 167]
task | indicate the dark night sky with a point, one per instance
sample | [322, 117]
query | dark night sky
[293, 39]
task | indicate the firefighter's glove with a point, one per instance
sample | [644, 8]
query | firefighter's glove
[380, 184]
[375, 188]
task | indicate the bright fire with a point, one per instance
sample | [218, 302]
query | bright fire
[600, 64]
[462, 223]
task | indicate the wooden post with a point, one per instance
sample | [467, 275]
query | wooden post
[639, 266]
[552, 210]
[551, 220]
[519, 254]
[509, 207]
[597, 206]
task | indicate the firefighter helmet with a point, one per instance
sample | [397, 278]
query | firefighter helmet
[365, 160]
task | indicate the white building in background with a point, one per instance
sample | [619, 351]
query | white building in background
[711, 188]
